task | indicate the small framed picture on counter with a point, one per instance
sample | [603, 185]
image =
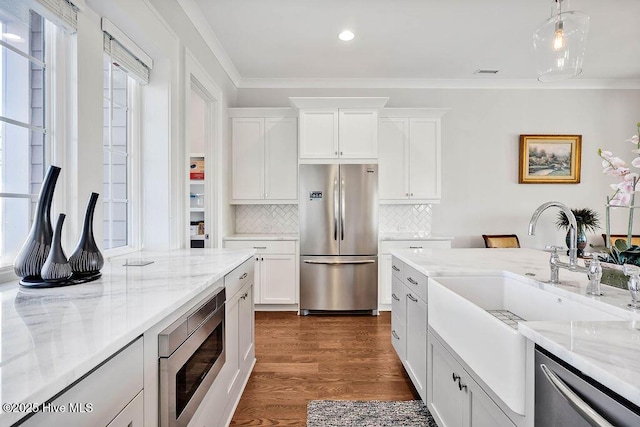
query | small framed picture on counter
[550, 159]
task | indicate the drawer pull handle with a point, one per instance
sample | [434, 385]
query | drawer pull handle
[395, 268]
[243, 276]
[455, 377]
[395, 297]
[412, 298]
[415, 247]
[462, 386]
[244, 296]
[395, 335]
[410, 280]
[259, 247]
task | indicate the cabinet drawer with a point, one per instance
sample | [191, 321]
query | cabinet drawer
[263, 246]
[398, 339]
[108, 390]
[397, 268]
[415, 281]
[398, 298]
[387, 245]
[238, 277]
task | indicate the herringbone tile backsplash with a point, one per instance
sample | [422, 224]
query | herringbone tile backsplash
[284, 218]
[409, 218]
[266, 219]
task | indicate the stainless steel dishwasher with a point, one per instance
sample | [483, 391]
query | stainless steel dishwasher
[566, 397]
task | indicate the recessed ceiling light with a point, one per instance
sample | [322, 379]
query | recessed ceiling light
[346, 36]
[12, 37]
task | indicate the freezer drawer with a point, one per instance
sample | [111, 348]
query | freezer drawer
[344, 283]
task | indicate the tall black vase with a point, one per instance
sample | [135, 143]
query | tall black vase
[35, 250]
[56, 268]
[86, 259]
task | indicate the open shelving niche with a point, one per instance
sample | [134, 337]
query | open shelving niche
[197, 211]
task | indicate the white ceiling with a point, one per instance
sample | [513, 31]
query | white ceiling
[406, 40]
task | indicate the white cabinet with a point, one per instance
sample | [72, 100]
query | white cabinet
[454, 398]
[333, 133]
[264, 159]
[409, 322]
[385, 268]
[276, 269]
[409, 150]
[101, 398]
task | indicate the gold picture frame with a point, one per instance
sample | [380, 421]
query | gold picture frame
[550, 159]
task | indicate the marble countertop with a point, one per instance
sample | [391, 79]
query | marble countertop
[605, 351]
[52, 337]
[416, 235]
[280, 236]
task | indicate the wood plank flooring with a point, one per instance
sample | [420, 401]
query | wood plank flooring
[303, 358]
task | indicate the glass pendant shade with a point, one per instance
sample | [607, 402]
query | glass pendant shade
[559, 44]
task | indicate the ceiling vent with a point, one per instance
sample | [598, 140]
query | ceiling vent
[486, 72]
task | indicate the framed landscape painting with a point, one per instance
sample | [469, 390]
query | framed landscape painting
[550, 159]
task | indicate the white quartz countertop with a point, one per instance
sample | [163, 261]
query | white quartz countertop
[281, 236]
[411, 236]
[52, 337]
[606, 351]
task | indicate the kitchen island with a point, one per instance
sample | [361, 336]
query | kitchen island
[51, 338]
[602, 349]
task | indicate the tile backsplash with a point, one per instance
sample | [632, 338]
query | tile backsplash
[284, 218]
[266, 219]
[404, 218]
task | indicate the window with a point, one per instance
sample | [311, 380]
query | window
[126, 67]
[24, 111]
[118, 90]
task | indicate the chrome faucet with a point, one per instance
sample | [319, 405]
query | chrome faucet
[555, 262]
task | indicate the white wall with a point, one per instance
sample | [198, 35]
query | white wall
[480, 143]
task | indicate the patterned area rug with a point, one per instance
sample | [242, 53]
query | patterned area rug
[373, 413]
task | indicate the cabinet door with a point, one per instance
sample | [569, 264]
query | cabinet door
[277, 281]
[319, 134]
[247, 152]
[482, 410]
[246, 321]
[257, 279]
[393, 166]
[445, 399]
[231, 331]
[424, 158]
[416, 361]
[281, 159]
[358, 134]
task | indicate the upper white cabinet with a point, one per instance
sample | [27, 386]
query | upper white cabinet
[333, 133]
[409, 147]
[338, 128]
[264, 157]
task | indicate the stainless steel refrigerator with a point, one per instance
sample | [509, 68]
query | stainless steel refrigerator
[338, 217]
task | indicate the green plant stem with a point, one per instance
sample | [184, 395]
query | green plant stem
[607, 243]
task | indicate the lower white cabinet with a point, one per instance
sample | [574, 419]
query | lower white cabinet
[276, 269]
[454, 398]
[384, 262]
[409, 323]
[101, 398]
[216, 410]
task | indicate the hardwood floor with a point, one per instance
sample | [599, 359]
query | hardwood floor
[303, 358]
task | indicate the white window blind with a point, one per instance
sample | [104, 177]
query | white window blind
[63, 13]
[125, 54]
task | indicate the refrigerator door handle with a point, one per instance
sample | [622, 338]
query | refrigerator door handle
[342, 208]
[366, 261]
[335, 209]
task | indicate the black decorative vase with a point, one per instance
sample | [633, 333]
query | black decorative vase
[56, 268]
[34, 252]
[86, 259]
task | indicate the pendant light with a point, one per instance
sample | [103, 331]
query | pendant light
[560, 42]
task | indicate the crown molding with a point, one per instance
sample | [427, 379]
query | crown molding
[484, 83]
[194, 13]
